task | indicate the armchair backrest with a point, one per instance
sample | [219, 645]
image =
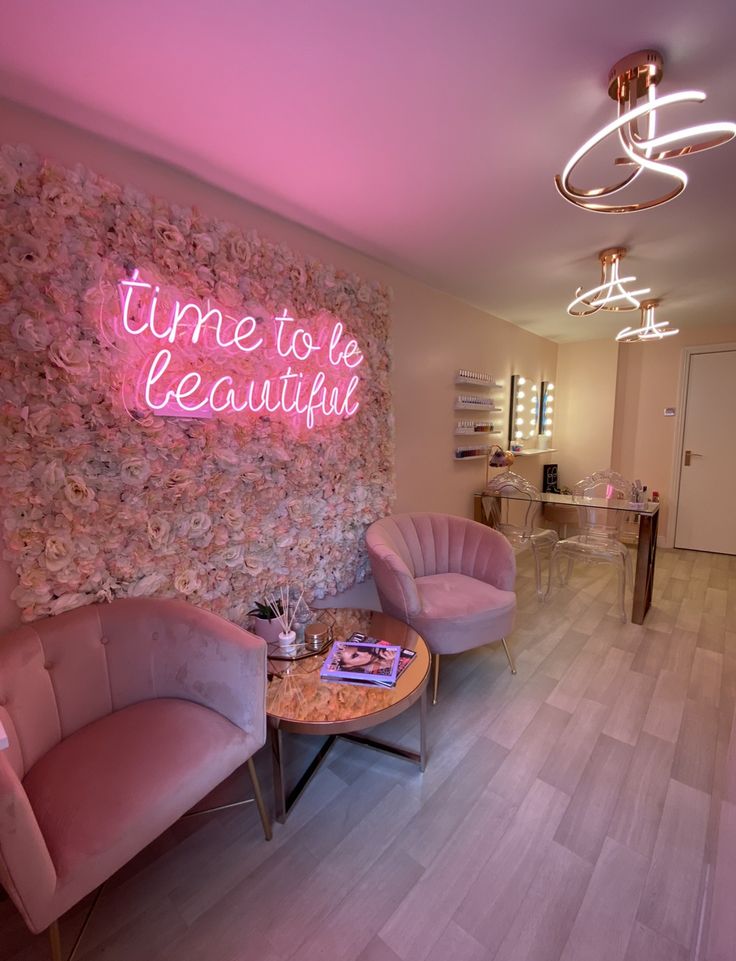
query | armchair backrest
[60, 673]
[406, 546]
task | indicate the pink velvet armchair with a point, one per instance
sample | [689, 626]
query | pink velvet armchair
[450, 578]
[117, 719]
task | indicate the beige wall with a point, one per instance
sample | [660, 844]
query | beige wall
[584, 414]
[649, 380]
[433, 334]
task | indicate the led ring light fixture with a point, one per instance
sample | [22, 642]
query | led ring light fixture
[650, 329]
[611, 293]
[630, 79]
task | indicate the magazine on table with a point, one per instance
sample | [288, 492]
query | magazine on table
[365, 660]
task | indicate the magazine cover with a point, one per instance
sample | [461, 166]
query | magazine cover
[405, 659]
[363, 660]
[407, 656]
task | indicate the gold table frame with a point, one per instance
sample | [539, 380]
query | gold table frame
[301, 703]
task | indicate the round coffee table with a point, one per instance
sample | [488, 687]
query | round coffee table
[298, 701]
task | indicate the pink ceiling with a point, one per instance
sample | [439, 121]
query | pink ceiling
[425, 133]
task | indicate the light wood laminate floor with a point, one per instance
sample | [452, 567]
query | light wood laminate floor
[582, 810]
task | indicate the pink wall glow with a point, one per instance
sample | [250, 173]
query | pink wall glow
[433, 334]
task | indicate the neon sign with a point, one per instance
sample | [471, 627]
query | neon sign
[182, 359]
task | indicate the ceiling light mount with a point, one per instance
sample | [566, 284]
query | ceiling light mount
[611, 293]
[630, 80]
[645, 67]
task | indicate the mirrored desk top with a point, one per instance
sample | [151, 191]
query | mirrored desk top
[572, 500]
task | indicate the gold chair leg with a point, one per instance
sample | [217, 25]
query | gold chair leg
[265, 819]
[509, 658]
[436, 676]
[55, 941]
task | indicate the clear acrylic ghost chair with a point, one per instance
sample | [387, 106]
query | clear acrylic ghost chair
[600, 528]
[511, 505]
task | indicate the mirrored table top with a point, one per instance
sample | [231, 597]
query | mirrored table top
[299, 699]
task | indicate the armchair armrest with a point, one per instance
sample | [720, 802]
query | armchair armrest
[394, 580]
[207, 659]
[495, 562]
[195, 655]
[26, 870]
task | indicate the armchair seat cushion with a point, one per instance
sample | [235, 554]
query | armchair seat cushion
[456, 609]
[106, 791]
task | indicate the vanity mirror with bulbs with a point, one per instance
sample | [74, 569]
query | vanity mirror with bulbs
[546, 412]
[523, 413]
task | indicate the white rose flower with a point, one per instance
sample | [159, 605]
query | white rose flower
[77, 492]
[62, 200]
[204, 245]
[135, 471]
[169, 235]
[31, 333]
[232, 556]
[199, 524]
[39, 421]
[158, 530]
[253, 565]
[187, 581]
[234, 518]
[58, 552]
[29, 253]
[71, 356]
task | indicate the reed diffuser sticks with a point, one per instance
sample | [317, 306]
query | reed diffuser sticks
[283, 610]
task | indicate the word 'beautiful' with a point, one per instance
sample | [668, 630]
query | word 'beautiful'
[202, 362]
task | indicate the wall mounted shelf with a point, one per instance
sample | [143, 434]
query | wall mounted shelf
[463, 402]
[475, 432]
[532, 451]
[472, 453]
[481, 403]
[478, 380]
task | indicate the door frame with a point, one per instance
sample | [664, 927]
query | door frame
[679, 445]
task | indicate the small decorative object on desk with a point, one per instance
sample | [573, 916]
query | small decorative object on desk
[362, 660]
[498, 458]
[638, 492]
[316, 635]
[284, 612]
[265, 623]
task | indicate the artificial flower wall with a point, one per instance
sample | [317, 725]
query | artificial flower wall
[101, 496]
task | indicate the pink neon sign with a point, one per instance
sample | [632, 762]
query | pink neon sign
[183, 359]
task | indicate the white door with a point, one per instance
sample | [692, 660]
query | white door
[706, 510]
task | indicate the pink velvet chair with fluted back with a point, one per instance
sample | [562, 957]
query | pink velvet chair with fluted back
[448, 577]
[117, 719]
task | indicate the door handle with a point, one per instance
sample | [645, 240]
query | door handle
[689, 454]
